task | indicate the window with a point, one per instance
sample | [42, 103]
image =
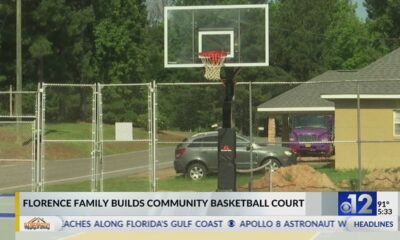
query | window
[196, 143]
[210, 141]
[396, 122]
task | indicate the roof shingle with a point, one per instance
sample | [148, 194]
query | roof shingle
[380, 77]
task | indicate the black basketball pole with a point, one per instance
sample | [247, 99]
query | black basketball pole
[229, 83]
[227, 107]
[227, 138]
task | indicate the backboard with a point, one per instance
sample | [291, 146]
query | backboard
[239, 30]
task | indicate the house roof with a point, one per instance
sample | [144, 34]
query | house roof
[380, 79]
[306, 97]
[386, 67]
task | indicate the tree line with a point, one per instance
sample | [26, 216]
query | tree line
[121, 41]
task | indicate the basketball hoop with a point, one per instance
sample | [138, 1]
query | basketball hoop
[213, 61]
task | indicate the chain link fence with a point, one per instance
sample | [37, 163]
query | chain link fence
[126, 137]
[125, 131]
[68, 153]
[183, 110]
[17, 141]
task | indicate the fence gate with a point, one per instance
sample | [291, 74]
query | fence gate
[125, 137]
[68, 137]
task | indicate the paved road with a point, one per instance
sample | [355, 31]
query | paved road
[18, 176]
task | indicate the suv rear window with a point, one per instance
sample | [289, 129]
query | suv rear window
[196, 143]
[209, 141]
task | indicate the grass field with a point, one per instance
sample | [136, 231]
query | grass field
[181, 183]
[337, 176]
[177, 183]
[10, 148]
[82, 131]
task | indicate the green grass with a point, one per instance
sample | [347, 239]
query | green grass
[337, 176]
[9, 148]
[178, 183]
[83, 131]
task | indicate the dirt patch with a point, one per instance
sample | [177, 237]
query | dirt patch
[375, 180]
[297, 178]
[382, 180]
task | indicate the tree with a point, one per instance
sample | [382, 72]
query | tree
[297, 30]
[7, 34]
[155, 9]
[121, 41]
[62, 48]
[383, 20]
[347, 44]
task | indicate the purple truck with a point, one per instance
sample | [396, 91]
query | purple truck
[309, 129]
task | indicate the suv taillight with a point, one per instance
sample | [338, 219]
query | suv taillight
[179, 152]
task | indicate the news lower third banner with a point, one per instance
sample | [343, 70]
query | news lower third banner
[219, 211]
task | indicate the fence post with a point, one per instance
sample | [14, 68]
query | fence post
[154, 137]
[39, 139]
[42, 134]
[93, 152]
[38, 144]
[100, 135]
[97, 141]
[251, 135]
[33, 185]
[359, 137]
[150, 131]
[97, 128]
[11, 101]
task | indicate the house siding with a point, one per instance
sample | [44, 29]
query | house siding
[376, 118]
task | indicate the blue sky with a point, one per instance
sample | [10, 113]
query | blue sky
[361, 12]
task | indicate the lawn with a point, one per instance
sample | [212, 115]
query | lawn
[10, 148]
[82, 131]
[337, 176]
[178, 183]
[181, 183]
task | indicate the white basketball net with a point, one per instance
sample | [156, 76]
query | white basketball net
[213, 62]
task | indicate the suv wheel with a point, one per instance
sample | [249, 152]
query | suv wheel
[196, 171]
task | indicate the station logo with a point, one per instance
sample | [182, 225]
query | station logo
[357, 203]
[37, 224]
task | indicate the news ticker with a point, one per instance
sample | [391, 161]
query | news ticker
[226, 211]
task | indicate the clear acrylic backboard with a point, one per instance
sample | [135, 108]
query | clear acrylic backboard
[239, 30]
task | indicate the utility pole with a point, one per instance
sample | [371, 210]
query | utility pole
[18, 97]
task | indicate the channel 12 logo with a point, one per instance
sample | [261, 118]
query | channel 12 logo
[357, 204]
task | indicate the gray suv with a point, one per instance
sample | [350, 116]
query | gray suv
[197, 156]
